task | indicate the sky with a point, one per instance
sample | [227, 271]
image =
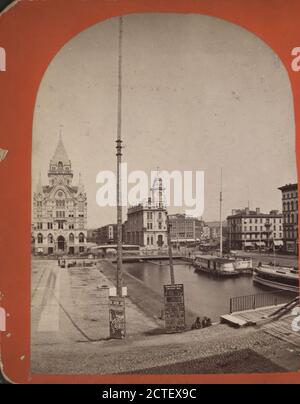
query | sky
[199, 93]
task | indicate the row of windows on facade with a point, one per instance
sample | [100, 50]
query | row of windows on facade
[290, 206]
[50, 238]
[261, 220]
[183, 235]
[151, 227]
[256, 229]
[60, 226]
[60, 166]
[290, 195]
[71, 250]
[290, 234]
[290, 219]
[61, 204]
[182, 227]
[150, 215]
[285, 235]
[256, 237]
[61, 214]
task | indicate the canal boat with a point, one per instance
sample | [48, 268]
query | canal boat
[277, 277]
[244, 266]
[215, 266]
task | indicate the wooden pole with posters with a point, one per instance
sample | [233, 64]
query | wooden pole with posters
[173, 296]
[119, 162]
[172, 276]
[117, 319]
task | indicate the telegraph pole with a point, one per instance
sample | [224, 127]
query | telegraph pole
[119, 162]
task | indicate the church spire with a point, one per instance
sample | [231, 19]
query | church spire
[60, 168]
[60, 155]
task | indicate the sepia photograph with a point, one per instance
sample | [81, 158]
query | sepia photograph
[164, 226]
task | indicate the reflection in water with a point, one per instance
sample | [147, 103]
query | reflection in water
[204, 295]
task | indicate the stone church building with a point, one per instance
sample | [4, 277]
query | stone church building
[59, 224]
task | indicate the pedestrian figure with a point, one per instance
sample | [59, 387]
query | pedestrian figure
[206, 322]
[197, 324]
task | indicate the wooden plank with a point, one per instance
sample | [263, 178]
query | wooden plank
[233, 321]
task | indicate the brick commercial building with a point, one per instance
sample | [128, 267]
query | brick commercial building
[290, 217]
[59, 223]
[185, 229]
[107, 234]
[253, 229]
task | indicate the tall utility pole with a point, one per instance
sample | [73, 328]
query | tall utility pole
[119, 162]
[170, 252]
[221, 223]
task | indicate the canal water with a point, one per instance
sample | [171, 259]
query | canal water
[204, 295]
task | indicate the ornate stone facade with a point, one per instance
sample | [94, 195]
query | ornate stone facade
[59, 223]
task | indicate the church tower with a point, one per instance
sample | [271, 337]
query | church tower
[59, 210]
[60, 168]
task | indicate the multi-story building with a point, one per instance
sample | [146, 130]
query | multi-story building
[59, 210]
[290, 217]
[185, 229]
[92, 235]
[215, 230]
[107, 234]
[146, 223]
[253, 229]
[206, 232]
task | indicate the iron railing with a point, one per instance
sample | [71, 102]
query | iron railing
[252, 302]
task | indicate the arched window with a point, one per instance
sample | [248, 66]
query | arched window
[50, 239]
[81, 238]
[71, 238]
[60, 166]
[40, 238]
[284, 206]
[288, 206]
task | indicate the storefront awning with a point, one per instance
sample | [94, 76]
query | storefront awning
[260, 244]
[247, 244]
[278, 243]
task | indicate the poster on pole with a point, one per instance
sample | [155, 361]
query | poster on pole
[117, 323]
[174, 308]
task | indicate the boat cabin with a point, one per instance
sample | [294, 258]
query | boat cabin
[213, 263]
